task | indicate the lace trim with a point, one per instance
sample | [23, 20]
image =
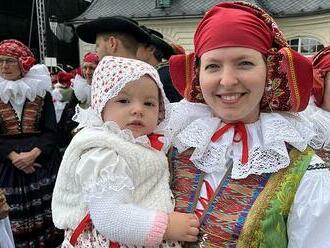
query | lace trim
[267, 139]
[320, 120]
[107, 181]
[35, 83]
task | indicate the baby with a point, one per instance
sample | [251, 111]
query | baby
[113, 183]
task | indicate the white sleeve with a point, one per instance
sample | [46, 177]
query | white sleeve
[309, 217]
[107, 186]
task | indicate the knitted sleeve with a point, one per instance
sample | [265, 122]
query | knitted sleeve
[115, 217]
[108, 186]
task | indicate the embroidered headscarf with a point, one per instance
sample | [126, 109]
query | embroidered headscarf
[241, 24]
[321, 66]
[111, 76]
[16, 49]
[91, 57]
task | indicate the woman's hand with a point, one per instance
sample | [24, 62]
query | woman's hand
[26, 159]
[182, 227]
[12, 156]
[31, 169]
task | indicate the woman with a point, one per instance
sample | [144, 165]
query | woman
[318, 110]
[29, 158]
[241, 160]
[81, 86]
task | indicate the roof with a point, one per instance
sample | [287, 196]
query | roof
[287, 8]
[145, 9]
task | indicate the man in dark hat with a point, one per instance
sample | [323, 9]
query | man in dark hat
[115, 35]
[156, 53]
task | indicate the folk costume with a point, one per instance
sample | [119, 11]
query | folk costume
[113, 189]
[81, 96]
[318, 117]
[27, 120]
[252, 185]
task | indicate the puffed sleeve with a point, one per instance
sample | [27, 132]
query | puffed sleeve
[100, 170]
[309, 218]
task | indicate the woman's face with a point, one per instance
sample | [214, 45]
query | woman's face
[326, 97]
[88, 69]
[232, 81]
[9, 68]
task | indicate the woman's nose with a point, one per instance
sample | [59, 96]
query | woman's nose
[228, 77]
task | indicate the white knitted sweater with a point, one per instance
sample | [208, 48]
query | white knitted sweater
[148, 167]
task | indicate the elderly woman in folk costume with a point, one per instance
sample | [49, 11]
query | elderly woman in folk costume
[29, 159]
[318, 110]
[241, 160]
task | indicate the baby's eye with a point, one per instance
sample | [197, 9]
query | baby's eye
[123, 101]
[150, 104]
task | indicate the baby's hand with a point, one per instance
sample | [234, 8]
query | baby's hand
[182, 227]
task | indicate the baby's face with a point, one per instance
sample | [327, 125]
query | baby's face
[136, 107]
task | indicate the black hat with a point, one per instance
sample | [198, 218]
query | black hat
[158, 41]
[88, 31]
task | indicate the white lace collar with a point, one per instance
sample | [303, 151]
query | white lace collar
[82, 89]
[35, 83]
[320, 120]
[90, 119]
[192, 126]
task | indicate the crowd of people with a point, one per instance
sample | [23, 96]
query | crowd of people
[147, 146]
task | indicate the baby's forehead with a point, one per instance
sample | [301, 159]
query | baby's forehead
[145, 84]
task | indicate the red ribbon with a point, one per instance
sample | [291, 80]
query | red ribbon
[239, 128]
[154, 142]
[81, 227]
[204, 201]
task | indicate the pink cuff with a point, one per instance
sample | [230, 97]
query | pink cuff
[156, 234]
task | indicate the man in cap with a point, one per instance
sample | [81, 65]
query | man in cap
[154, 53]
[115, 35]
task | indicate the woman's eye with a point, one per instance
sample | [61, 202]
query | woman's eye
[211, 67]
[246, 63]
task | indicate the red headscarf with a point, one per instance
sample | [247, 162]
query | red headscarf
[321, 65]
[241, 24]
[91, 57]
[16, 49]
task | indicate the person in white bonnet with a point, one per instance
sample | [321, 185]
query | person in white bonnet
[113, 184]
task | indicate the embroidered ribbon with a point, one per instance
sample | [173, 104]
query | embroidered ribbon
[154, 142]
[239, 128]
